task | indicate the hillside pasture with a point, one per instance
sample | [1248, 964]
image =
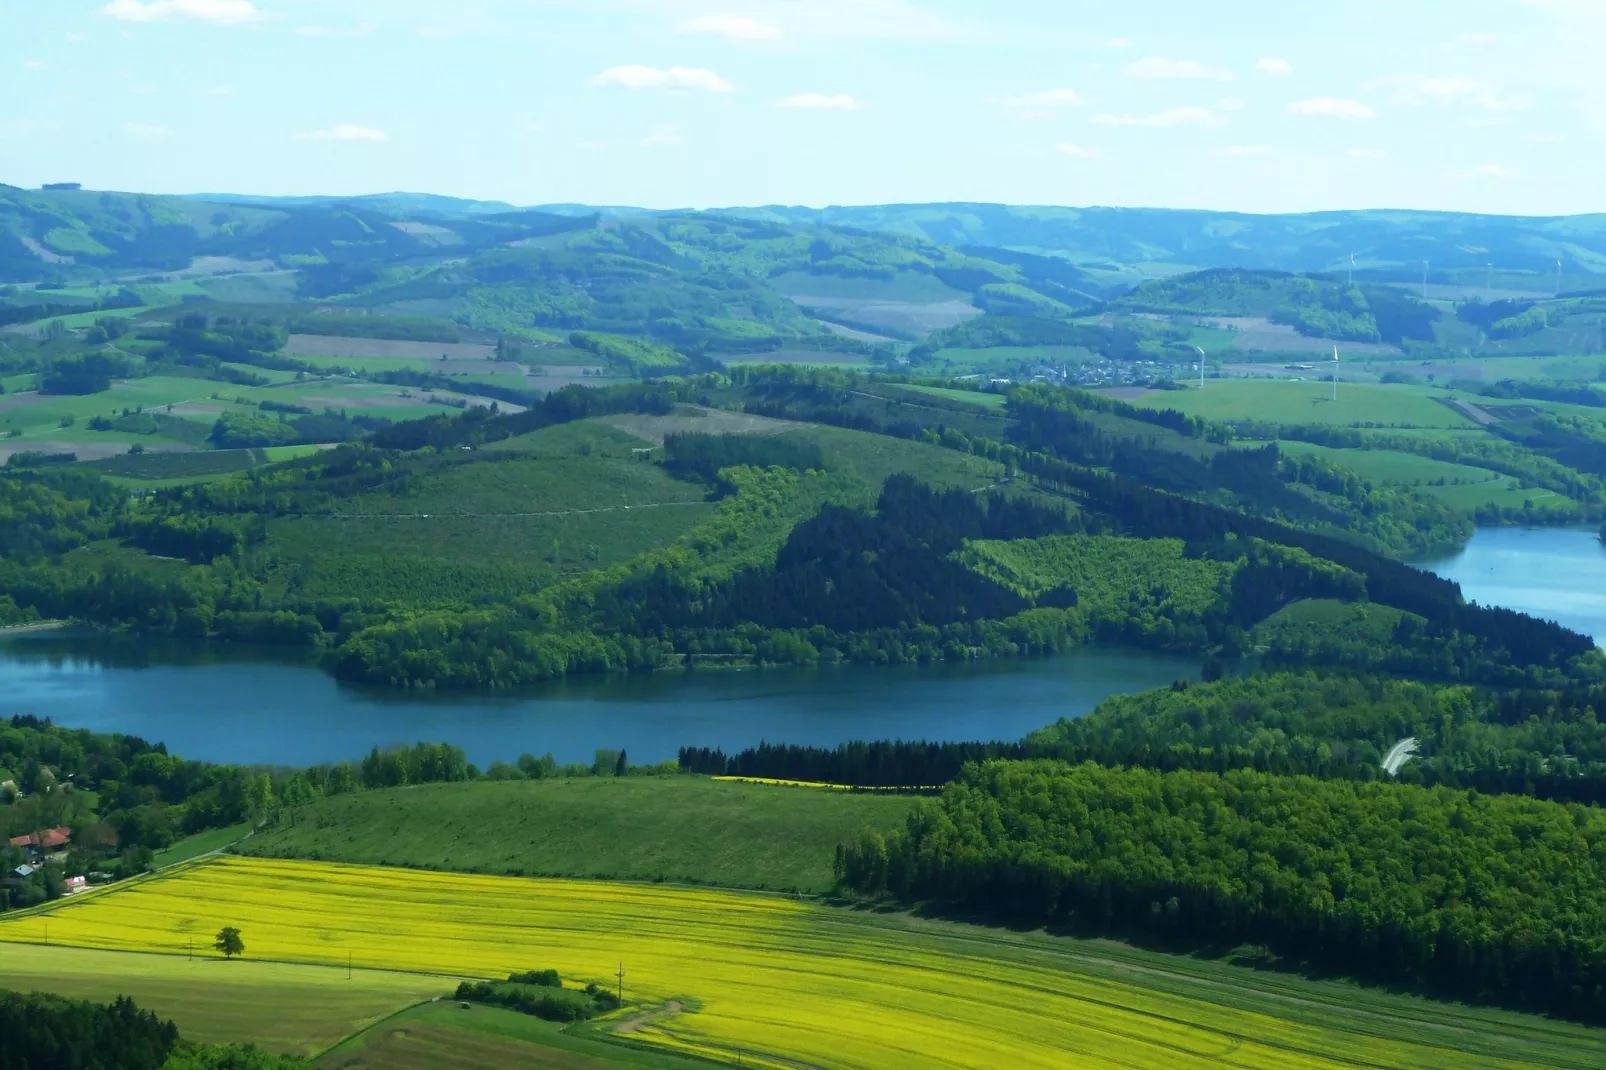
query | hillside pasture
[1459, 485]
[495, 528]
[292, 1009]
[1309, 402]
[681, 829]
[782, 982]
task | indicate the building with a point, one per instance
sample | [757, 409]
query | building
[34, 847]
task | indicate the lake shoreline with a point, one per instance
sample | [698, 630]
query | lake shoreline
[34, 626]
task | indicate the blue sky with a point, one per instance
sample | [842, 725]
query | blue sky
[1252, 105]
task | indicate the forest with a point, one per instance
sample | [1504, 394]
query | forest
[1456, 893]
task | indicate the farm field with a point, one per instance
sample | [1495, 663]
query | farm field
[1462, 486]
[1308, 402]
[682, 829]
[505, 528]
[777, 982]
[969, 397]
[288, 1008]
[453, 1036]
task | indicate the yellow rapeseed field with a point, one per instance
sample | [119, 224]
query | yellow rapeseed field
[771, 979]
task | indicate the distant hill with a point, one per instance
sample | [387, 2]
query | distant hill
[1387, 243]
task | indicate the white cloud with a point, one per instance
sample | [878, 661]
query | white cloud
[1184, 116]
[1277, 68]
[640, 77]
[1419, 92]
[733, 28]
[1041, 98]
[345, 132]
[159, 10]
[1486, 170]
[35, 64]
[1332, 108]
[822, 102]
[1160, 67]
[1080, 152]
[1231, 104]
[1364, 154]
[1243, 151]
[220, 91]
[147, 131]
[1545, 139]
[661, 136]
[1118, 42]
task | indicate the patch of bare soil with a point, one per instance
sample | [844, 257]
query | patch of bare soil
[696, 420]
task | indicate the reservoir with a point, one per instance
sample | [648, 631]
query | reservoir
[250, 705]
[1558, 574]
[261, 705]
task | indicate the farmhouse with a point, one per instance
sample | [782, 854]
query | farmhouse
[34, 847]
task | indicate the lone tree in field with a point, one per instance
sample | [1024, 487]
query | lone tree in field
[228, 941]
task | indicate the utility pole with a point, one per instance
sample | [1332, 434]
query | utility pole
[190, 943]
[621, 984]
[348, 965]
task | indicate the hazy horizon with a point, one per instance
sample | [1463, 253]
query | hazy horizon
[1497, 106]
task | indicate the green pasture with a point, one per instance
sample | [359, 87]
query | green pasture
[453, 1036]
[1310, 402]
[969, 397]
[1463, 486]
[875, 457]
[201, 843]
[484, 528]
[285, 1008]
[683, 829]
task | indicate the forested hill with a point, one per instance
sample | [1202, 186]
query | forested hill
[1316, 241]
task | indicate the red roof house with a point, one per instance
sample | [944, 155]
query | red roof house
[48, 840]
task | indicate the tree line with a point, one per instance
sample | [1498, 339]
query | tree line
[1492, 898]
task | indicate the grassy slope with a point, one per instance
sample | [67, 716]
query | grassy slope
[1463, 486]
[201, 843]
[677, 828]
[1309, 402]
[283, 1007]
[824, 986]
[453, 1036]
[495, 528]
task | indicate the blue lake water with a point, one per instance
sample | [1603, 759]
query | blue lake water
[1555, 573]
[232, 704]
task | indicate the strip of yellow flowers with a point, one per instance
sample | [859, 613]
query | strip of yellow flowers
[775, 981]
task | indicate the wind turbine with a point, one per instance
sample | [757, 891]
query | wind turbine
[1352, 270]
[1424, 280]
[1201, 353]
[1335, 373]
[1558, 278]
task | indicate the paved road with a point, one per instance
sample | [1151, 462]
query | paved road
[1398, 755]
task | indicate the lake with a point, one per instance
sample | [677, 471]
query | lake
[1555, 573]
[232, 704]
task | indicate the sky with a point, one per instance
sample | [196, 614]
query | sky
[1246, 105]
